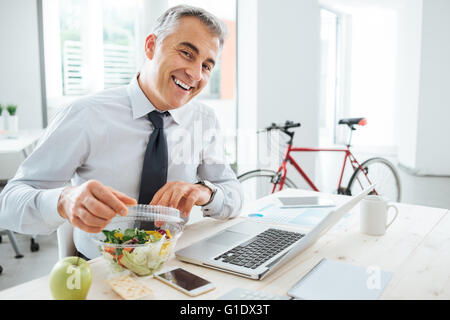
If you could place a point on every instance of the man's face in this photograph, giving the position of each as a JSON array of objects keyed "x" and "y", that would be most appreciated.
[{"x": 180, "y": 65}]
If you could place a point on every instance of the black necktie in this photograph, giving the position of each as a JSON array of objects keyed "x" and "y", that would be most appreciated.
[{"x": 154, "y": 170}]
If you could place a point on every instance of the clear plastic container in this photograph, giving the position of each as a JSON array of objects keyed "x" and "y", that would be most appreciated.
[{"x": 141, "y": 259}]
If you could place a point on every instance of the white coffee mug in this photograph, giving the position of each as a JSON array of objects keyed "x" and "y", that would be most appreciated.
[{"x": 373, "y": 213}]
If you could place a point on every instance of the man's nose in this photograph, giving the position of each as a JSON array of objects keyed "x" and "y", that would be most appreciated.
[{"x": 195, "y": 72}]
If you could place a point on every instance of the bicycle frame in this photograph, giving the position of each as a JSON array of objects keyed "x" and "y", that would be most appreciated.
[{"x": 288, "y": 158}]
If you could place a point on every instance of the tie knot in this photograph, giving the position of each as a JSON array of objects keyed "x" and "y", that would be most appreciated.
[{"x": 156, "y": 118}]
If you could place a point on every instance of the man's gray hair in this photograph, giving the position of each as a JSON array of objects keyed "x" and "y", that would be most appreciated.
[{"x": 169, "y": 20}]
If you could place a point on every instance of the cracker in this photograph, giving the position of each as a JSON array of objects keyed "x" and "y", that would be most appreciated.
[{"x": 128, "y": 288}]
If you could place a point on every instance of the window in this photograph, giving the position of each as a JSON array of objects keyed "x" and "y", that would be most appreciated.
[
  {"x": 119, "y": 41},
  {"x": 358, "y": 72},
  {"x": 89, "y": 46},
  {"x": 71, "y": 53},
  {"x": 97, "y": 41},
  {"x": 329, "y": 27},
  {"x": 373, "y": 75}
]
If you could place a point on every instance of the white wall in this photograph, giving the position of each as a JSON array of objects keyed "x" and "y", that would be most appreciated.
[
  {"x": 433, "y": 145},
  {"x": 19, "y": 71},
  {"x": 19, "y": 61},
  {"x": 278, "y": 78},
  {"x": 424, "y": 95},
  {"x": 408, "y": 79},
  {"x": 288, "y": 70}
]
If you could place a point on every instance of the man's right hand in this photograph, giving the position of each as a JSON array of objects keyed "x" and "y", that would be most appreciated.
[{"x": 91, "y": 206}]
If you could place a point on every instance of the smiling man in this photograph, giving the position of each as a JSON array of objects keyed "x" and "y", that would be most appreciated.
[{"x": 147, "y": 143}]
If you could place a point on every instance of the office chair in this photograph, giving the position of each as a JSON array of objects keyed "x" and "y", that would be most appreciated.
[
  {"x": 13, "y": 241},
  {"x": 66, "y": 246},
  {"x": 34, "y": 246}
]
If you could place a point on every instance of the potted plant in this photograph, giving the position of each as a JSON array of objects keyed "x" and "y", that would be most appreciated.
[
  {"x": 13, "y": 121},
  {"x": 2, "y": 122}
]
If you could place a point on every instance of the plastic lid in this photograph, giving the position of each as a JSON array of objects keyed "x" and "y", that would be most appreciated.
[
  {"x": 143, "y": 212},
  {"x": 169, "y": 216}
]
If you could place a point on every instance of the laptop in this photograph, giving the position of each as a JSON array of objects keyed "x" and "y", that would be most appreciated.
[{"x": 254, "y": 250}]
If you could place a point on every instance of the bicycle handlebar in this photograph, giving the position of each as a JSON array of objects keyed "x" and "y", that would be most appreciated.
[{"x": 283, "y": 127}]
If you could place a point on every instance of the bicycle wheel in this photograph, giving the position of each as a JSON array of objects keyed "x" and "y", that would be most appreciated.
[
  {"x": 381, "y": 172},
  {"x": 259, "y": 183}
]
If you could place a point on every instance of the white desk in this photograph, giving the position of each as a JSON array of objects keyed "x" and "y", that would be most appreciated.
[
  {"x": 415, "y": 249},
  {"x": 20, "y": 142}
]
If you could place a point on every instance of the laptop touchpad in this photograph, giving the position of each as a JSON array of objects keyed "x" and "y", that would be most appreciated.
[{"x": 228, "y": 238}]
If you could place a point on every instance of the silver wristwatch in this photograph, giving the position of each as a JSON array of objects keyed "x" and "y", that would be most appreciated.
[{"x": 210, "y": 186}]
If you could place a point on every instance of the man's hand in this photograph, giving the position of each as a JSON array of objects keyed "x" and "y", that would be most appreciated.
[
  {"x": 91, "y": 206},
  {"x": 182, "y": 196}
]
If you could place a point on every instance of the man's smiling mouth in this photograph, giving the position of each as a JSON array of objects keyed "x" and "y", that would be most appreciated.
[{"x": 181, "y": 84}]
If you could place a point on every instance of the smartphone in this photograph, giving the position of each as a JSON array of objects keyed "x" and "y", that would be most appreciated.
[{"x": 185, "y": 281}]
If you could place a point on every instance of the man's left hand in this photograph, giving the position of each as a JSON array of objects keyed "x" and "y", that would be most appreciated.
[{"x": 182, "y": 196}]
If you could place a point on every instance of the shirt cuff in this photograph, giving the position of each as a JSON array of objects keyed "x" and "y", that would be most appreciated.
[
  {"x": 48, "y": 206},
  {"x": 214, "y": 208}
]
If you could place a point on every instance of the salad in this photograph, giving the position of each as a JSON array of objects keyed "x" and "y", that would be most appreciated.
[{"x": 142, "y": 252}]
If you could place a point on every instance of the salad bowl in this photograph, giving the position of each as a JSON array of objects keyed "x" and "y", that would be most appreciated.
[{"x": 141, "y": 241}]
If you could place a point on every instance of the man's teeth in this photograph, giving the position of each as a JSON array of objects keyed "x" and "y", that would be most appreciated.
[{"x": 182, "y": 84}]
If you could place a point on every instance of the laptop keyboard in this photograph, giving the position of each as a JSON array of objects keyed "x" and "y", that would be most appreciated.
[{"x": 259, "y": 249}]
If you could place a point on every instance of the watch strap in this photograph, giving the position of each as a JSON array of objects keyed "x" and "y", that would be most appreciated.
[{"x": 211, "y": 187}]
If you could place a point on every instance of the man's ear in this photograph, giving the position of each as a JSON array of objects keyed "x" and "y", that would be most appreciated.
[{"x": 150, "y": 46}]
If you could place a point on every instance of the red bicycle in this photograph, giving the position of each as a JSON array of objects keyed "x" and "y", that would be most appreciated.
[{"x": 261, "y": 182}]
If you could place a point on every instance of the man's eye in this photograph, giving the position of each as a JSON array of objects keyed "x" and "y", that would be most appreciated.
[
  {"x": 206, "y": 67},
  {"x": 187, "y": 54}
]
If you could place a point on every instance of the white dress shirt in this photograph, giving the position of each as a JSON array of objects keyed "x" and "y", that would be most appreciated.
[{"x": 104, "y": 137}]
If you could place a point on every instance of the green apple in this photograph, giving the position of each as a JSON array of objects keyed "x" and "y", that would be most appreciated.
[{"x": 71, "y": 279}]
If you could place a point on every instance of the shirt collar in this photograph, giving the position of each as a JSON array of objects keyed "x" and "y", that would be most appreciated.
[
  {"x": 141, "y": 106},
  {"x": 178, "y": 115}
]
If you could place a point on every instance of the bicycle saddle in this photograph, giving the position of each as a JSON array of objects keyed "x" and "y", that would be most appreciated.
[{"x": 353, "y": 121}]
